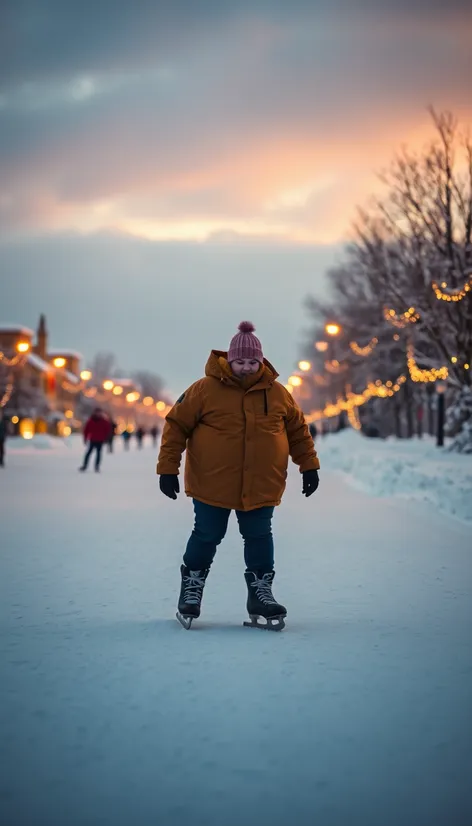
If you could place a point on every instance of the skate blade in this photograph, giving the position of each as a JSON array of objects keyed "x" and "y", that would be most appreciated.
[
  {"x": 271, "y": 624},
  {"x": 186, "y": 622}
]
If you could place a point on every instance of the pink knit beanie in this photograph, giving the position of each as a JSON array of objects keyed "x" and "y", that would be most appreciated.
[{"x": 245, "y": 345}]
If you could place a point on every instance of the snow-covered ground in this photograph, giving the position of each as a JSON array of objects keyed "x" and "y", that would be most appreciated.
[
  {"x": 358, "y": 714},
  {"x": 412, "y": 468}
]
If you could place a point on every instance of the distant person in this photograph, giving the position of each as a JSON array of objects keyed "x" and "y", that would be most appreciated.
[
  {"x": 110, "y": 440},
  {"x": 126, "y": 436},
  {"x": 154, "y": 433},
  {"x": 140, "y": 436},
  {"x": 313, "y": 430},
  {"x": 96, "y": 433},
  {"x": 3, "y": 436}
]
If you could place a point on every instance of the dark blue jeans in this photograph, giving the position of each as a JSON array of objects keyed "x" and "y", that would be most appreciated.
[
  {"x": 210, "y": 527},
  {"x": 97, "y": 446}
]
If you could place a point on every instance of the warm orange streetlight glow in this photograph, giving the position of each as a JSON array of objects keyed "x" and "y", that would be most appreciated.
[
  {"x": 160, "y": 405},
  {"x": 295, "y": 381},
  {"x": 289, "y": 388},
  {"x": 321, "y": 346},
  {"x": 117, "y": 390},
  {"x": 69, "y": 414},
  {"x": 148, "y": 400},
  {"x": 108, "y": 384},
  {"x": 304, "y": 365},
  {"x": 86, "y": 375},
  {"x": 130, "y": 397},
  {"x": 59, "y": 362},
  {"x": 23, "y": 346},
  {"x": 333, "y": 329}
]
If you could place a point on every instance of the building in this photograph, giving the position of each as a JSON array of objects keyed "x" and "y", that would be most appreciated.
[
  {"x": 36, "y": 384},
  {"x": 44, "y": 389}
]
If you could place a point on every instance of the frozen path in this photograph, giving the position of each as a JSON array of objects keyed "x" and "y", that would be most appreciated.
[{"x": 111, "y": 714}]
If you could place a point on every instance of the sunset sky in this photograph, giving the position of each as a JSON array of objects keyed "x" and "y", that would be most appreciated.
[{"x": 170, "y": 168}]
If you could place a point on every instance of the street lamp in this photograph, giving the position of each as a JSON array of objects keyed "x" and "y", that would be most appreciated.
[
  {"x": 86, "y": 375},
  {"x": 304, "y": 365},
  {"x": 23, "y": 346},
  {"x": 333, "y": 329},
  {"x": 108, "y": 384},
  {"x": 59, "y": 362},
  {"x": 321, "y": 346},
  {"x": 295, "y": 381}
]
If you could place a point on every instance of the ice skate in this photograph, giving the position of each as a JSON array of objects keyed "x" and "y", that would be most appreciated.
[
  {"x": 261, "y": 604},
  {"x": 191, "y": 592}
]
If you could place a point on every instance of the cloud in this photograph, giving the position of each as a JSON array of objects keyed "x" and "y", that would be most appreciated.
[
  {"x": 216, "y": 118},
  {"x": 161, "y": 306}
]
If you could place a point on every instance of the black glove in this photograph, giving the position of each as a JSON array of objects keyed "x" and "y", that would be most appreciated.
[
  {"x": 169, "y": 485},
  {"x": 311, "y": 481}
]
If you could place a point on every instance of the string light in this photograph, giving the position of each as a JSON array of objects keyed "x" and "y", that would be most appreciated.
[
  {"x": 353, "y": 417},
  {"x": 451, "y": 295},
  {"x": 355, "y": 400},
  {"x": 72, "y": 388},
  {"x": 423, "y": 376},
  {"x": 363, "y": 351},
  {"x": 410, "y": 316},
  {"x": 8, "y": 391},
  {"x": 335, "y": 367},
  {"x": 16, "y": 361}
]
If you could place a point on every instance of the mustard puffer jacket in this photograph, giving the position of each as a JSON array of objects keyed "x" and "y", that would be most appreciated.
[{"x": 239, "y": 434}]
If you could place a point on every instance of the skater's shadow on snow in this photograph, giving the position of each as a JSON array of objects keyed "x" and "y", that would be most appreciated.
[{"x": 158, "y": 628}]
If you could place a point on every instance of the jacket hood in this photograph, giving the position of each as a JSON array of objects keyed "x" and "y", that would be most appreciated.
[{"x": 218, "y": 367}]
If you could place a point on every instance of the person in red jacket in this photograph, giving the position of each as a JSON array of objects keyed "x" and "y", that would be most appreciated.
[{"x": 96, "y": 433}]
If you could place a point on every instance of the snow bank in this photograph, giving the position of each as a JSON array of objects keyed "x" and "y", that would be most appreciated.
[
  {"x": 414, "y": 468},
  {"x": 16, "y": 444}
]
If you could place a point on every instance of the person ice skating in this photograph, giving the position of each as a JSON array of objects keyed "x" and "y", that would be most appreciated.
[
  {"x": 239, "y": 426},
  {"x": 139, "y": 436},
  {"x": 3, "y": 436},
  {"x": 112, "y": 434},
  {"x": 126, "y": 436},
  {"x": 96, "y": 433},
  {"x": 154, "y": 433}
]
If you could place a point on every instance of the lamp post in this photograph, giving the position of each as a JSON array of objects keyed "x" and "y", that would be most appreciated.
[
  {"x": 441, "y": 391},
  {"x": 333, "y": 330}
]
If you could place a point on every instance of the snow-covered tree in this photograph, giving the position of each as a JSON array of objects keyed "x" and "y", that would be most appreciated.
[{"x": 406, "y": 279}]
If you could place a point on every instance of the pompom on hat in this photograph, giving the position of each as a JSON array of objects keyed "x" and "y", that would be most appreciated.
[{"x": 245, "y": 345}]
